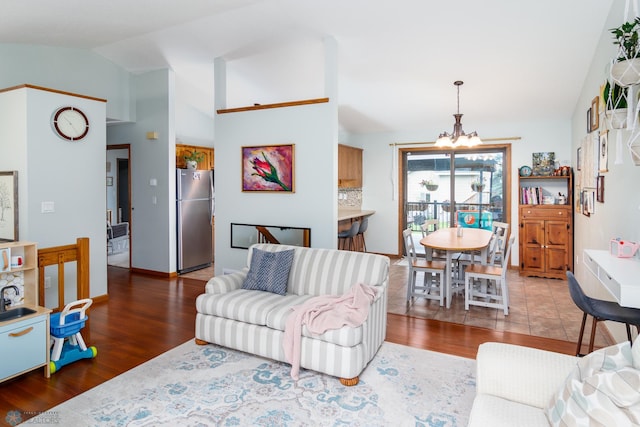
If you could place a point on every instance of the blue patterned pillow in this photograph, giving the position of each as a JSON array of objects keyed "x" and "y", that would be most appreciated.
[{"x": 269, "y": 271}]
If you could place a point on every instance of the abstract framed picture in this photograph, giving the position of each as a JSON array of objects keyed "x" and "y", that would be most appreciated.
[
  {"x": 8, "y": 206},
  {"x": 268, "y": 168}
]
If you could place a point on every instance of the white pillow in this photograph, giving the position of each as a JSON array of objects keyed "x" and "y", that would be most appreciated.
[{"x": 603, "y": 389}]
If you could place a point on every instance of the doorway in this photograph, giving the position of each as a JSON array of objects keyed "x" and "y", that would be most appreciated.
[
  {"x": 469, "y": 187},
  {"x": 118, "y": 193}
]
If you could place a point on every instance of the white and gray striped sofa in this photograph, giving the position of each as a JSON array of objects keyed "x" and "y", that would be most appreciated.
[{"x": 253, "y": 321}]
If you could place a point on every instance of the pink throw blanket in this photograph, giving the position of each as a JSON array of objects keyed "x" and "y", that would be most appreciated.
[{"x": 322, "y": 313}]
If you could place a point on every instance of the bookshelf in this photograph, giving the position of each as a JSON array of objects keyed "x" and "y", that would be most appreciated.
[{"x": 545, "y": 226}]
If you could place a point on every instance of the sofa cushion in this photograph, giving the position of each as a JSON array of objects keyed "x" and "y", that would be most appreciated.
[
  {"x": 242, "y": 305},
  {"x": 495, "y": 411},
  {"x": 269, "y": 271},
  {"x": 603, "y": 389}
]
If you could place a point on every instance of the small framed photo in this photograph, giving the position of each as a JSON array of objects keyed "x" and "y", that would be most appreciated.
[
  {"x": 579, "y": 158},
  {"x": 9, "y": 206},
  {"x": 543, "y": 163},
  {"x": 595, "y": 114},
  {"x": 109, "y": 181},
  {"x": 589, "y": 120},
  {"x": 600, "y": 189},
  {"x": 603, "y": 152},
  {"x": 268, "y": 168}
]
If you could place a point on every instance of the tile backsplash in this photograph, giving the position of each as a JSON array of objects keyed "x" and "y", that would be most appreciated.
[{"x": 350, "y": 198}]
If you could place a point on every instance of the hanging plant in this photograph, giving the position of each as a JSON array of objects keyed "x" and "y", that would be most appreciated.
[
  {"x": 477, "y": 185},
  {"x": 429, "y": 184},
  {"x": 626, "y": 70},
  {"x": 616, "y": 108}
]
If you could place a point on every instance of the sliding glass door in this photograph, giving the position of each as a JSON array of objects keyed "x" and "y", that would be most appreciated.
[{"x": 466, "y": 187}]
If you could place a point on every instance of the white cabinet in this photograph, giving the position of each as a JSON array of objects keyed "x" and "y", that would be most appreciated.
[
  {"x": 618, "y": 275},
  {"x": 24, "y": 341},
  {"x": 24, "y": 345}
]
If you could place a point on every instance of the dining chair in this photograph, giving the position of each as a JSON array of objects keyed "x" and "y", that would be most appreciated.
[
  {"x": 435, "y": 278},
  {"x": 497, "y": 245},
  {"x": 600, "y": 310},
  {"x": 427, "y": 227},
  {"x": 496, "y": 296},
  {"x": 359, "y": 238}
]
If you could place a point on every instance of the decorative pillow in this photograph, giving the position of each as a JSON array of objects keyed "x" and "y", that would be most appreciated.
[
  {"x": 269, "y": 271},
  {"x": 603, "y": 389}
]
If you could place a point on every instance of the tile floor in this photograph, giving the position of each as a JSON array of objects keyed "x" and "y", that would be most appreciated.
[{"x": 540, "y": 307}]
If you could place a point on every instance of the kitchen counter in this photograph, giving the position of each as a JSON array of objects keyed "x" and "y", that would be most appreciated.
[{"x": 348, "y": 214}]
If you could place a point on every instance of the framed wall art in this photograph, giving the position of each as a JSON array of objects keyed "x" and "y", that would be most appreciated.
[
  {"x": 9, "y": 206},
  {"x": 268, "y": 168},
  {"x": 600, "y": 189},
  {"x": 543, "y": 163},
  {"x": 595, "y": 113},
  {"x": 603, "y": 156}
]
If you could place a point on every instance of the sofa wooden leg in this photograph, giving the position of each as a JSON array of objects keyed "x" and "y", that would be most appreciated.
[
  {"x": 201, "y": 342},
  {"x": 349, "y": 382}
]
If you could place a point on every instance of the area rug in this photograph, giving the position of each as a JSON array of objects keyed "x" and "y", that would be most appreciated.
[{"x": 194, "y": 385}]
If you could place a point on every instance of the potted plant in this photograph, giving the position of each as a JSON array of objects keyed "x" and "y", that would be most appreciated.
[
  {"x": 193, "y": 159},
  {"x": 616, "y": 105},
  {"x": 626, "y": 70},
  {"x": 429, "y": 184},
  {"x": 477, "y": 185}
]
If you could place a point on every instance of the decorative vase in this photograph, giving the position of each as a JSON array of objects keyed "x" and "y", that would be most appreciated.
[
  {"x": 626, "y": 73},
  {"x": 617, "y": 119},
  {"x": 192, "y": 164}
]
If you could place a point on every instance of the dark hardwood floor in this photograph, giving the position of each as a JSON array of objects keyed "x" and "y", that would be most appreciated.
[{"x": 146, "y": 316}]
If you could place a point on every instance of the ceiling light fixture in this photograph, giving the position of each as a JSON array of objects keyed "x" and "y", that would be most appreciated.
[{"x": 458, "y": 138}]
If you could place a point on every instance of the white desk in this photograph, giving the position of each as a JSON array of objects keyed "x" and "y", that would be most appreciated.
[{"x": 620, "y": 276}]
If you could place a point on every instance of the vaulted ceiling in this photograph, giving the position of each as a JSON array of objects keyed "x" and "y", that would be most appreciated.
[{"x": 397, "y": 60}]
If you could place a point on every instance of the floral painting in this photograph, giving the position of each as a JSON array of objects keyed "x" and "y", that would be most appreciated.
[{"x": 268, "y": 168}]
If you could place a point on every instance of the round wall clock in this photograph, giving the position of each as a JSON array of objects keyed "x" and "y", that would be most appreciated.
[
  {"x": 525, "y": 171},
  {"x": 70, "y": 123}
]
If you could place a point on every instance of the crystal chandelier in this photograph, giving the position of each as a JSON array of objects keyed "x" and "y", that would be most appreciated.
[{"x": 458, "y": 138}]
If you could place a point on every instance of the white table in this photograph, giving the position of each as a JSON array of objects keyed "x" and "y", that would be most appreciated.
[
  {"x": 620, "y": 276},
  {"x": 447, "y": 239}
]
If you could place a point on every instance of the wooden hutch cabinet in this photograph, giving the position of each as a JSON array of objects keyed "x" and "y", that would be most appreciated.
[{"x": 545, "y": 230}]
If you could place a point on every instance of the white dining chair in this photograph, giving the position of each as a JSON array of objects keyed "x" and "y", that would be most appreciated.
[
  {"x": 496, "y": 296},
  {"x": 497, "y": 246},
  {"x": 434, "y": 284},
  {"x": 429, "y": 226}
]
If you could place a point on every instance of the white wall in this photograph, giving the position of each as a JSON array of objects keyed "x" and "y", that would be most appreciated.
[
  {"x": 69, "y": 174},
  {"x": 72, "y": 70},
  {"x": 153, "y": 229},
  {"x": 618, "y": 215},
  {"x": 380, "y": 182},
  {"x": 313, "y": 130}
]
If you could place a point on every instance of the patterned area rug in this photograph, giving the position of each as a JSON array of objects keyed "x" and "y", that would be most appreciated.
[{"x": 193, "y": 385}]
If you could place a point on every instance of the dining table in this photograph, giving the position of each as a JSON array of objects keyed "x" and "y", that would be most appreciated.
[{"x": 453, "y": 240}]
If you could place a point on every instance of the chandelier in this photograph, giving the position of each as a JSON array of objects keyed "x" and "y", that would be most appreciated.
[{"x": 458, "y": 138}]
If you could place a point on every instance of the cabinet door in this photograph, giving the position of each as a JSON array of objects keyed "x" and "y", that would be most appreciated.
[
  {"x": 531, "y": 243},
  {"x": 557, "y": 242},
  {"x": 349, "y": 167}
]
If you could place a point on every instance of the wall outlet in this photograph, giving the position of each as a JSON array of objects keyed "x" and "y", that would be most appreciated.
[{"x": 47, "y": 282}]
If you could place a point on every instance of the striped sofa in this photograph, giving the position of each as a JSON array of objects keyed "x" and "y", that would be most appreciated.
[{"x": 253, "y": 321}]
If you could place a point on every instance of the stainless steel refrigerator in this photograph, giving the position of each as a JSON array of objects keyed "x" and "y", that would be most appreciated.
[{"x": 195, "y": 210}]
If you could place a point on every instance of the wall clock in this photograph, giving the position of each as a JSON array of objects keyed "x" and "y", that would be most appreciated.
[
  {"x": 525, "y": 171},
  {"x": 70, "y": 123}
]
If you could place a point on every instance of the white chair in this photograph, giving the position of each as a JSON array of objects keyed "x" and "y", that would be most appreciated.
[
  {"x": 497, "y": 246},
  {"x": 434, "y": 273},
  {"x": 429, "y": 226},
  {"x": 498, "y": 296}
]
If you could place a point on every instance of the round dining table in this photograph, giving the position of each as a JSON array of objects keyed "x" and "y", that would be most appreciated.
[{"x": 448, "y": 240}]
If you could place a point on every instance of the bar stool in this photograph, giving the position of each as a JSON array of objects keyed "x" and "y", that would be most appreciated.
[
  {"x": 364, "y": 224},
  {"x": 600, "y": 310},
  {"x": 347, "y": 237}
]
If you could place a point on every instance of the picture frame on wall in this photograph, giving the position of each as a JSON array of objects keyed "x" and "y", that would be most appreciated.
[
  {"x": 603, "y": 152},
  {"x": 268, "y": 168},
  {"x": 579, "y": 158},
  {"x": 589, "y": 120},
  {"x": 594, "y": 114},
  {"x": 9, "y": 206},
  {"x": 600, "y": 189}
]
